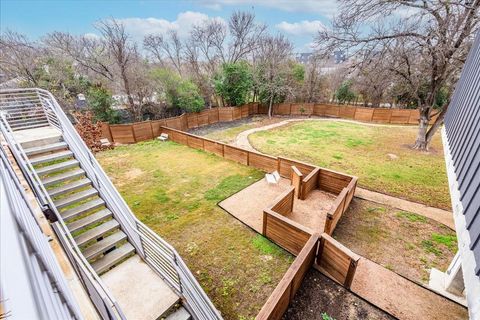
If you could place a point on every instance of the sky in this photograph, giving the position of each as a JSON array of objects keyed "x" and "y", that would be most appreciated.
[{"x": 298, "y": 19}]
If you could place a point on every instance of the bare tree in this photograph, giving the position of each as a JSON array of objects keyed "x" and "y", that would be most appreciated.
[
  {"x": 372, "y": 81},
  {"x": 426, "y": 43},
  {"x": 90, "y": 54},
  {"x": 124, "y": 53},
  {"x": 171, "y": 47},
  {"x": 272, "y": 76},
  {"x": 245, "y": 33},
  {"x": 19, "y": 57}
]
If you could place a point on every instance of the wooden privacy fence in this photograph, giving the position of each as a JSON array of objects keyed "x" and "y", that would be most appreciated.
[
  {"x": 320, "y": 251},
  {"x": 146, "y": 130},
  {"x": 381, "y": 115}
]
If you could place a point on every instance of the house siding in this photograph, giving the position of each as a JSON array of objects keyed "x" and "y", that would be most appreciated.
[{"x": 462, "y": 125}]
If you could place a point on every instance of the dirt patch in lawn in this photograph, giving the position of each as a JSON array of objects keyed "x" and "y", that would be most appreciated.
[
  {"x": 404, "y": 242},
  {"x": 320, "y": 297}
]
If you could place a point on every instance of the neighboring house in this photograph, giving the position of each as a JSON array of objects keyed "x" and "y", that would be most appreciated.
[{"x": 461, "y": 138}]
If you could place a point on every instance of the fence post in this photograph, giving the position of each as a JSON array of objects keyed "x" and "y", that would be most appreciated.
[
  {"x": 133, "y": 133},
  {"x": 151, "y": 128},
  {"x": 320, "y": 248},
  {"x": 351, "y": 272},
  {"x": 297, "y": 178},
  {"x": 264, "y": 224}
]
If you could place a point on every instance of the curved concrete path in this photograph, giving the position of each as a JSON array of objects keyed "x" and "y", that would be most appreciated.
[{"x": 442, "y": 216}]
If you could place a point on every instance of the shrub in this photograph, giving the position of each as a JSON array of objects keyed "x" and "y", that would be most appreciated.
[
  {"x": 234, "y": 83},
  {"x": 100, "y": 102}
]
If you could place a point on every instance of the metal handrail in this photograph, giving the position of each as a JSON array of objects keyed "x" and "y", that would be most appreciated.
[
  {"x": 155, "y": 251},
  {"x": 43, "y": 256},
  {"x": 92, "y": 280}
]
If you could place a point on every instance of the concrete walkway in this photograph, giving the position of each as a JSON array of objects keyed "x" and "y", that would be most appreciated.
[{"x": 442, "y": 216}]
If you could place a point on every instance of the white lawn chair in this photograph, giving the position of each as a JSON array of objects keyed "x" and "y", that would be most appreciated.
[
  {"x": 272, "y": 178},
  {"x": 163, "y": 137},
  {"x": 105, "y": 142}
]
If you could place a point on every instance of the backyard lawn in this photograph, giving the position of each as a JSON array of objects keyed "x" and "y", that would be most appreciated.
[
  {"x": 175, "y": 190},
  {"x": 380, "y": 156}
]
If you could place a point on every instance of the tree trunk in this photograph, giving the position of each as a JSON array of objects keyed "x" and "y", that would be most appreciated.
[
  {"x": 422, "y": 143},
  {"x": 270, "y": 107}
]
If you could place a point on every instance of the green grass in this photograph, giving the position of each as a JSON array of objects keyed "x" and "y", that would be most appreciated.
[
  {"x": 228, "y": 186},
  {"x": 266, "y": 246},
  {"x": 450, "y": 241},
  {"x": 175, "y": 190},
  {"x": 363, "y": 150},
  {"x": 412, "y": 217}
]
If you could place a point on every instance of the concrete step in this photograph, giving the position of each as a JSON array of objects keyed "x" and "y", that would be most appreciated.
[
  {"x": 54, "y": 136},
  {"x": 89, "y": 220},
  {"x": 72, "y": 174},
  {"x": 51, "y": 157},
  {"x": 29, "y": 124},
  {"x": 44, "y": 149},
  {"x": 96, "y": 232},
  {"x": 81, "y": 209},
  {"x": 103, "y": 245},
  {"x": 26, "y": 120},
  {"x": 39, "y": 125},
  {"x": 179, "y": 314},
  {"x": 112, "y": 258},
  {"x": 57, "y": 167},
  {"x": 74, "y": 198},
  {"x": 78, "y": 184}
]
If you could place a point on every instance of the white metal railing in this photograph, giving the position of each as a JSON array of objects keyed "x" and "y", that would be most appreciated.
[
  {"x": 105, "y": 303},
  {"x": 44, "y": 278},
  {"x": 155, "y": 251},
  {"x": 24, "y": 110}
]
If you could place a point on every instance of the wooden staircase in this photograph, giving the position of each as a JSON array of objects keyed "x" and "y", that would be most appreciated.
[{"x": 92, "y": 225}]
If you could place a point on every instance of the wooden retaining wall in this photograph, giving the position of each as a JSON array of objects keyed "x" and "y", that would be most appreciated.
[
  {"x": 309, "y": 183},
  {"x": 288, "y": 234},
  {"x": 340, "y": 206},
  {"x": 284, "y": 202},
  {"x": 297, "y": 179},
  {"x": 283, "y": 294},
  {"x": 323, "y": 253},
  {"x": 336, "y": 261}
]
